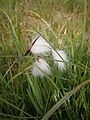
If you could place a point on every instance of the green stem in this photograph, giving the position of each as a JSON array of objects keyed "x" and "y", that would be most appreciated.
[{"x": 84, "y": 24}]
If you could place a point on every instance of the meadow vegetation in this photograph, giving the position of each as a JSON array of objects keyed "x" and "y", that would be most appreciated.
[{"x": 65, "y": 24}]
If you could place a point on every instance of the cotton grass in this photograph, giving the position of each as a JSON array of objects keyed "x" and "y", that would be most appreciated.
[
  {"x": 41, "y": 67},
  {"x": 41, "y": 46},
  {"x": 60, "y": 58}
]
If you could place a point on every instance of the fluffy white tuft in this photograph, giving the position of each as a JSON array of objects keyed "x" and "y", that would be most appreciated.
[
  {"x": 41, "y": 46},
  {"x": 58, "y": 60},
  {"x": 40, "y": 67}
]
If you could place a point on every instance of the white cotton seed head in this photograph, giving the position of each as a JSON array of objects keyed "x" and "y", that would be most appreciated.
[
  {"x": 40, "y": 67},
  {"x": 41, "y": 46},
  {"x": 58, "y": 60}
]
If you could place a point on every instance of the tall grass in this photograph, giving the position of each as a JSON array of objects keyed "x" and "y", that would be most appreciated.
[{"x": 63, "y": 95}]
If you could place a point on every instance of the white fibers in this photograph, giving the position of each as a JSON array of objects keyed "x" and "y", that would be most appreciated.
[
  {"x": 58, "y": 60},
  {"x": 41, "y": 46},
  {"x": 40, "y": 67}
]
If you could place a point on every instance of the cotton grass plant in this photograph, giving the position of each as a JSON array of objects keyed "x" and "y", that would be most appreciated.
[
  {"x": 39, "y": 67},
  {"x": 49, "y": 80},
  {"x": 60, "y": 58},
  {"x": 40, "y": 46}
]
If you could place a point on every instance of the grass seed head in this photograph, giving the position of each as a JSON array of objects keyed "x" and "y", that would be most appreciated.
[
  {"x": 58, "y": 60},
  {"x": 41, "y": 46},
  {"x": 40, "y": 67}
]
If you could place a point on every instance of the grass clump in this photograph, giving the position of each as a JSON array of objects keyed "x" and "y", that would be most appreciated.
[{"x": 63, "y": 95}]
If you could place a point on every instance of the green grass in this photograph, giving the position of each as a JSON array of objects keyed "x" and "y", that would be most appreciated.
[{"x": 61, "y": 96}]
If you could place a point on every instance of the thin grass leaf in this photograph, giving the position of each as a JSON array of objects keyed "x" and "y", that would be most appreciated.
[
  {"x": 66, "y": 97},
  {"x": 33, "y": 101},
  {"x": 38, "y": 93},
  {"x": 13, "y": 33},
  {"x": 8, "y": 103},
  {"x": 37, "y": 15},
  {"x": 10, "y": 117},
  {"x": 35, "y": 91},
  {"x": 84, "y": 24},
  {"x": 18, "y": 75}
]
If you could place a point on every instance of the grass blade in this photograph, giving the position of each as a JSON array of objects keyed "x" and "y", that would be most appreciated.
[
  {"x": 13, "y": 33},
  {"x": 66, "y": 97}
]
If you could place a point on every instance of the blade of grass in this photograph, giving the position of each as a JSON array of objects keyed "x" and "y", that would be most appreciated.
[
  {"x": 66, "y": 97},
  {"x": 37, "y": 15},
  {"x": 18, "y": 75},
  {"x": 84, "y": 24},
  {"x": 8, "y": 103},
  {"x": 13, "y": 33},
  {"x": 33, "y": 100}
]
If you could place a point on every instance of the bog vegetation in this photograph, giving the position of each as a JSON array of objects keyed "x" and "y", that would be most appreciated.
[{"x": 48, "y": 89}]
